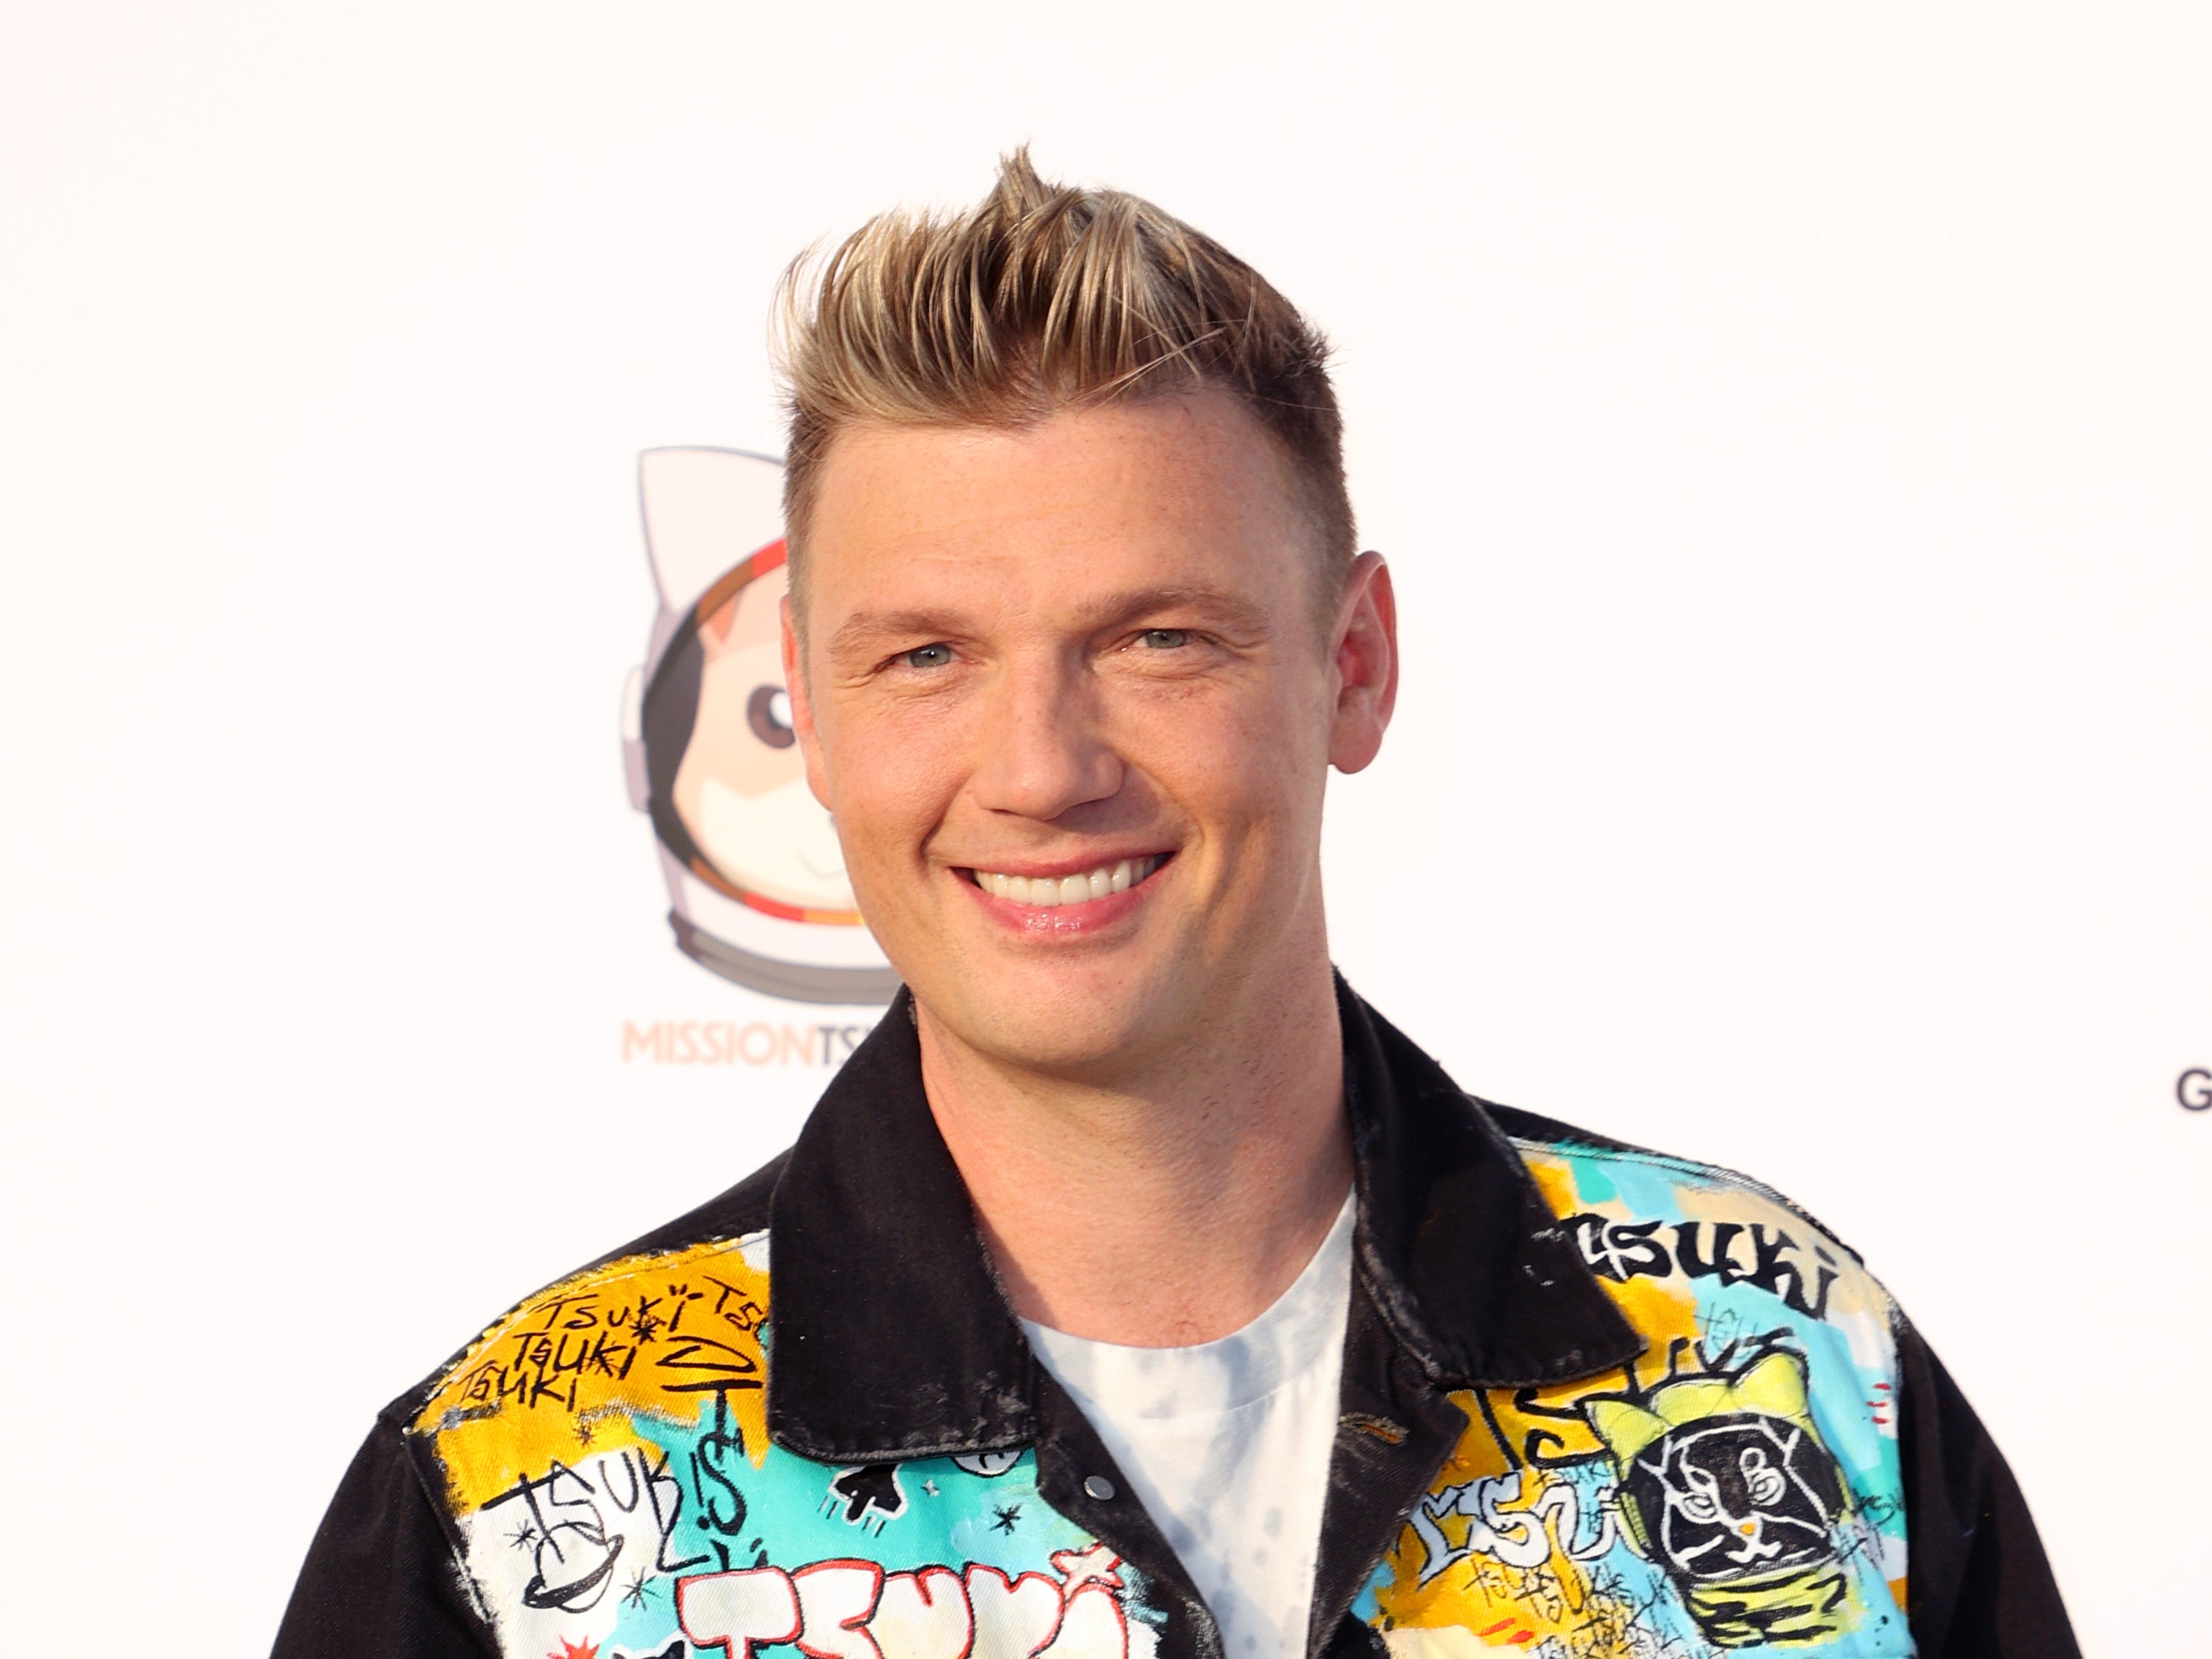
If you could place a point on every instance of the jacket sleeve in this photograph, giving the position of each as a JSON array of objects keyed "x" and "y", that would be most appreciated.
[
  {"x": 381, "y": 1579},
  {"x": 1978, "y": 1583}
]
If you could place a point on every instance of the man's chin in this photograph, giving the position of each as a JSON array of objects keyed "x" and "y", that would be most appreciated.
[{"x": 1073, "y": 1031}]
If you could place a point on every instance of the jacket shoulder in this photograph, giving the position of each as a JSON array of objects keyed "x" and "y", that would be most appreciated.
[
  {"x": 671, "y": 1315},
  {"x": 1662, "y": 1180}
]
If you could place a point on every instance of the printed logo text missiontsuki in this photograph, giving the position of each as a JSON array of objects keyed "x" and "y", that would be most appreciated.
[{"x": 756, "y": 1042}]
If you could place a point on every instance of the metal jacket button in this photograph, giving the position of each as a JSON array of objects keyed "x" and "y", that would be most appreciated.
[{"x": 1098, "y": 1486}]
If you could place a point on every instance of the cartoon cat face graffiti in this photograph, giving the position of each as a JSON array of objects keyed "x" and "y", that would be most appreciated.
[
  {"x": 1724, "y": 1477},
  {"x": 1724, "y": 1482},
  {"x": 1742, "y": 1494}
]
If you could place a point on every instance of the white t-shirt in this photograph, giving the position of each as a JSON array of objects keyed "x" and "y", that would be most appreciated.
[{"x": 1228, "y": 1444}]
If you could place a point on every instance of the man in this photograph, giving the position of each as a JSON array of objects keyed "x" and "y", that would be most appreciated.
[{"x": 1135, "y": 1289}]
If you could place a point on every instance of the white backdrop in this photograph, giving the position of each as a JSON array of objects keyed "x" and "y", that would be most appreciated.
[{"x": 1791, "y": 432}]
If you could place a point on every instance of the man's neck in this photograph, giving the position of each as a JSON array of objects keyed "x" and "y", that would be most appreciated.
[{"x": 1173, "y": 1205}]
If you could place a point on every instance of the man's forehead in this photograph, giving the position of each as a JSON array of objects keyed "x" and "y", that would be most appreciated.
[
  {"x": 1194, "y": 457},
  {"x": 1157, "y": 491}
]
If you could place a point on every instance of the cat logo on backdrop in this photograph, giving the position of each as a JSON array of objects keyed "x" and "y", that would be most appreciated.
[{"x": 756, "y": 884}]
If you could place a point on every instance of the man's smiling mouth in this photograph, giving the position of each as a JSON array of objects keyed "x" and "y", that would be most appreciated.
[{"x": 1050, "y": 892}]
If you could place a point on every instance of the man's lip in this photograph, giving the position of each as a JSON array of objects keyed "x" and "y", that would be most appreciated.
[
  {"x": 1033, "y": 870},
  {"x": 1083, "y": 918}
]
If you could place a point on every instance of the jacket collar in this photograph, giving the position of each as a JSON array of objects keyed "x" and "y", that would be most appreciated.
[{"x": 892, "y": 1338}]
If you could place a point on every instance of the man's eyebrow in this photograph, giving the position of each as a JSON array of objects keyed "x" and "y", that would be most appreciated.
[
  {"x": 865, "y": 630},
  {"x": 1213, "y": 604}
]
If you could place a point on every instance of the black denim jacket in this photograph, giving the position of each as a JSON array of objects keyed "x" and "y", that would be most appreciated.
[{"x": 1594, "y": 1401}]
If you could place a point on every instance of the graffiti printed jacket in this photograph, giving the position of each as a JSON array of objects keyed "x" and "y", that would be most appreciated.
[{"x": 1595, "y": 1403}]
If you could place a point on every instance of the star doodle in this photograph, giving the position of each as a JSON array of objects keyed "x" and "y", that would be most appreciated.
[
  {"x": 1081, "y": 1567},
  {"x": 1008, "y": 1515},
  {"x": 523, "y": 1536},
  {"x": 638, "y": 1589},
  {"x": 584, "y": 1432},
  {"x": 930, "y": 1486},
  {"x": 642, "y": 1327}
]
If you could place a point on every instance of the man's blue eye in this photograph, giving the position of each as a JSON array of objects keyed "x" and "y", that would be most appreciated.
[
  {"x": 929, "y": 656},
  {"x": 1165, "y": 639}
]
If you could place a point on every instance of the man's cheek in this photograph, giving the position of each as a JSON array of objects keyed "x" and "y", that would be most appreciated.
[
  {"x": 877, "y": 817},
  {"x": 917, "y": 759}
]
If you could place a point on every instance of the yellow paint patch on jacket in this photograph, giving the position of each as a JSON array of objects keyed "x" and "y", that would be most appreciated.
[
  {"x": 573, "y": 1370},
  {"x": 1506, "y": 1576},
  {"x": 1493, "y": 1551},
  {"x": 1555, "y": 1179}
]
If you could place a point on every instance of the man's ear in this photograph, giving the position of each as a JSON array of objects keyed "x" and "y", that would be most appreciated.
[
  {"x": 802, "y": 706},
  {"x": 1364, "y": 664}
]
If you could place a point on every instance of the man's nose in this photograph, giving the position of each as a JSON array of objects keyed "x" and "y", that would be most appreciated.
[{"x": 1045, "y": 753}]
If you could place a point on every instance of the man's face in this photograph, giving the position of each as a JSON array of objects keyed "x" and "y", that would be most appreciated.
[{"x": 1071, "y": 695}]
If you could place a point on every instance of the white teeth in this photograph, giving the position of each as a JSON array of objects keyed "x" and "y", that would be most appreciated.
[{"x": 1046, "y": 892}]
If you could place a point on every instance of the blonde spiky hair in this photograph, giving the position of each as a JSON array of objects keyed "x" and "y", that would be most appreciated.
[{"x": 1041, "y": 298}]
